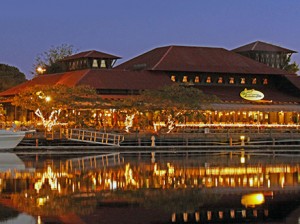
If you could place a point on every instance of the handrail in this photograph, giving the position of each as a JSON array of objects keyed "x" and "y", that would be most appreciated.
[{"x": 94, "y": 137}]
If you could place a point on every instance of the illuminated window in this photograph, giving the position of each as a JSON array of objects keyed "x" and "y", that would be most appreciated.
[
  {"x": 185, "y": 79},
  {"x": 103, "y": 64},
  {"x": 231, "y": 80},
  {"x": 220, "y": 80},
  {"x": 243, "y": 80},
  {"x": 173, "y": 78},
  {"x": 208, "y": 79},
  {"x": 197, "y": 79},
  {"x": 254, "y": 81},
  {"x": 95, "y": 63},
  {"x": 265, "y": 81}
]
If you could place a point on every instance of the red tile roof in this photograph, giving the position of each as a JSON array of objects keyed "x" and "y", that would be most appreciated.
[
  {"x": 99, "y": 79},
  {"x": 197, "y": 59},
  {"x": 262, "y": 46},
  {"x": 91, "y": 54},
  {"x": 294, "y": 79},
  {"x": 119, "y": 79}
]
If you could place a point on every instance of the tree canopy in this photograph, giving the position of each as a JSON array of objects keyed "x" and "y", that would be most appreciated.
[
  {"x": 174, "y": 97},
  {"x": 51, "y": 60},
  {"x": 290, "y": 67},
  {"x": 10, "y": 76},
  {"x": 47, "y": 98}
]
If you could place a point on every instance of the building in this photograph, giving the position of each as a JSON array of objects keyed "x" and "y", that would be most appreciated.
[
  {"x": 266, "y": 53},
  {"x": 251, "y": 91}
]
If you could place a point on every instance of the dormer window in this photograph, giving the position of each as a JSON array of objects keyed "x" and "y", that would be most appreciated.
[
  {"x": 220, "y": 80},
  {"x": 185, "y": 79},
  {"x": 197, "y": 80},
  {"x": 243, "y": 80},
  {"x": 265, "y": 81},
  {"x": 103, "y": 64},
  {"x": 95, "y": 63},
  {"x": 208, "y": 79}
]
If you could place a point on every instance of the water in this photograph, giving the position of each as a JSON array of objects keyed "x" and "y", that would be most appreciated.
[{"x": 148, "y": 188}]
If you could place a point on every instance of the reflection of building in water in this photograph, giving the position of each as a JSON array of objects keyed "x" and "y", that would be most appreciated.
[{"x": 152, "y": 176}]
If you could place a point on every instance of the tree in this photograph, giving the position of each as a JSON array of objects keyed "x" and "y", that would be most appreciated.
[
  {"x": 168, "y": 103},
  {"x": 10, "y": 76},
  {"x": 290, "y": 67},
  {"x": 51, "y": 60},
  {"x": 46, "y": 100}
]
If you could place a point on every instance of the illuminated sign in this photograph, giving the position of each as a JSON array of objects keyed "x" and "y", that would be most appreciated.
[{"x": 251, "y": 94}]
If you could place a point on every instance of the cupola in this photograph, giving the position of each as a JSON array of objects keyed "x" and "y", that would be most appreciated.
[{"x": 90, "y": 60}]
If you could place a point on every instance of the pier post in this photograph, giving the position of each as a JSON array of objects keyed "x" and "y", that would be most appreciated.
[
  {"x": 230, "y": 141},
  {"x": 153, "y": 141},
  {"x": 153, "y": 157}
]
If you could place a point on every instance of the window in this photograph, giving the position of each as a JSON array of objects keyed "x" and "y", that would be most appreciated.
[
  {"x": 185, "y": 79},
  {"x": 197, "y": 79},
  {"x": 220, "y": 80},
  {"x": 208, "y": 79},
  {"x": 243, "y": 80},
  {"x": 231, "y": 80},
  {"x": 173, "y": 78},
  {"x": 265, "y": 81},
  {"x": 103, "y": 64},
  {"x": 254, "y": 81},
  {"x": 95, "y": 63}
]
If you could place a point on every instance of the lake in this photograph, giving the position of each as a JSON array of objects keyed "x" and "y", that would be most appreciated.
[{"x": 149, "y": 188}]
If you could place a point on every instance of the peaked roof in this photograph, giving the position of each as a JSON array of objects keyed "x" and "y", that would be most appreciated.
[
  {"x": 262, "y": 46},
  {"x": 98, "y": 79},
  {"x": 197, "y": 59},
  {"x": 91, "y": 54}
]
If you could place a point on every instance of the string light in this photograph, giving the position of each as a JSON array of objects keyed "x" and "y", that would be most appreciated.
[{"x": 51, "y": 121}]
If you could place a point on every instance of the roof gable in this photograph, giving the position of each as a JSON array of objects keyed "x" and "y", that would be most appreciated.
[
  {"x": 91, "y": 54},
  {"x": 98, "y": 79},
  {"x": 197, "y": 59},
  {"x": 262, "y": 46}
]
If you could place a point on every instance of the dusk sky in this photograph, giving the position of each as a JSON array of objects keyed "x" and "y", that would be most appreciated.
[{"x": 129, "y": 28}]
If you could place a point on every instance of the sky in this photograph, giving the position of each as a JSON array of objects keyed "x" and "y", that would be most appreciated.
[{"x": 129, "y": 28}]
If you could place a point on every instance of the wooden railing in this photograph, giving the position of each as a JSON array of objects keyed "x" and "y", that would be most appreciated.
[{"x": 94, "y": 137}]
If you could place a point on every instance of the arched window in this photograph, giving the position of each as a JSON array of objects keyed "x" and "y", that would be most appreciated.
[
  {"x": 243, "y": 80},
  {"x": 208, "y": 79},
  {"x": 95, "y": 63},
  {"x": 220, "y": 80},
  {"x": 103, "y": 64},
  {"x": 265, "y": 81},
  {"x": 185, "y": 79}
]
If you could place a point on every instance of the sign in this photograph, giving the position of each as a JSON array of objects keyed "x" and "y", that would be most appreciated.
[{"x": 251, "y": 94}]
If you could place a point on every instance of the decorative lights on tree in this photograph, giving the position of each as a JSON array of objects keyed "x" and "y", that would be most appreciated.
[
  {"x": 51, "y": 121},
  {"x": 128, "y": 122}
]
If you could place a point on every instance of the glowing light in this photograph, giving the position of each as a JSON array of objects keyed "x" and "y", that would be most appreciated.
[
  {"x": 48, "y": 98},
  {"x": 51, "y": 121},
  {"x": 128, "y": 122},
  {"x": 252, "y": 200},
  {"x": 40, "y": 70},
  {"x": 129, "y": 175},
  {"x": 52, "y": 180}
]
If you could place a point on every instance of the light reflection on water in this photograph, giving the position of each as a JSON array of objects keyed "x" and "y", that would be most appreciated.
[{"x": 56, "y": 185}]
